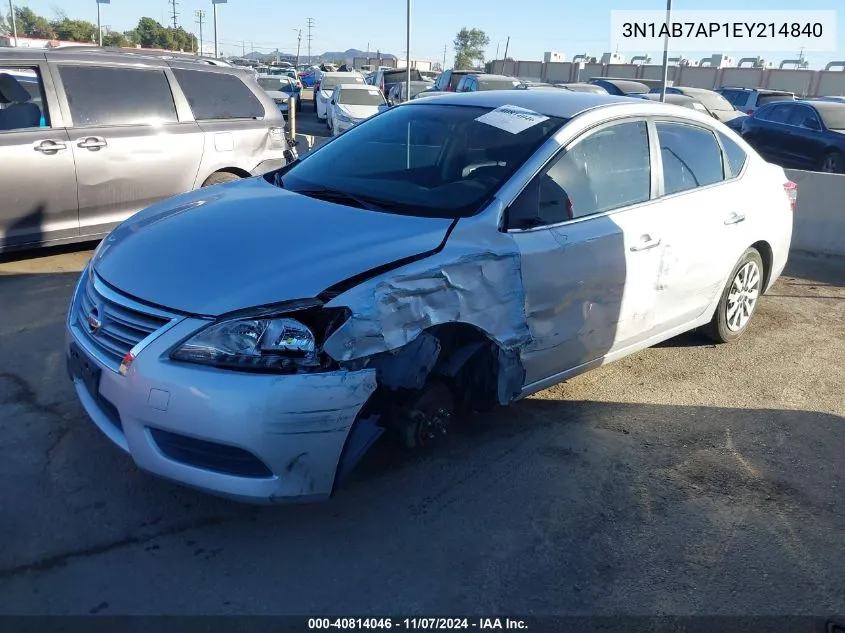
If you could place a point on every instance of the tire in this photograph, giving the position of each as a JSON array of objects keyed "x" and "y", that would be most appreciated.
[
  {"x": 833, "y": 163},
  {"x": 739, "y": 299},
  {"x": 220, "y": 177}
]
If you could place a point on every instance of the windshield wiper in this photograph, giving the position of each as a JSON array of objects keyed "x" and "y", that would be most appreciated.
[{"x": 341, "y": 197}]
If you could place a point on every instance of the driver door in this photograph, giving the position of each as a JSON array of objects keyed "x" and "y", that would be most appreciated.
[{"x": 588, "y": 232}]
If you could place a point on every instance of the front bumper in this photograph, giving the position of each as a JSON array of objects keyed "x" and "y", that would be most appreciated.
[{"x": 257, "y": 438}]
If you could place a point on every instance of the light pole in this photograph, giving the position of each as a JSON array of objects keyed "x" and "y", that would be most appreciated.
[
  {"x": 99, "y": 26},
  {"x": 214, "y": 4},
  {"x": 408, "y": 55},
  {"x": 200, "y": 20},
  {"x": 666, "y": 51}
]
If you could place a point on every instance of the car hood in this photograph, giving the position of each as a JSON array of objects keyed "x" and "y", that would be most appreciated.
[
  {"x": 249, "y": 243},
  {"x": 277, "y": 94},
  {"x": 359, "y": 111}
]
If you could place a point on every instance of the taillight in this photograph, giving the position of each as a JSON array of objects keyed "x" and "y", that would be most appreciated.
[{"x": 791, "y": 190}]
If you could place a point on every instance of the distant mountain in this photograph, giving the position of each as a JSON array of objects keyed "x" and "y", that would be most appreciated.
[{"x": 327, "y": 56}]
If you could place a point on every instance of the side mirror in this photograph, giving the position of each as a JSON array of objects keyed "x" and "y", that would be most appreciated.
[
  {"x": 390, "y": 103},
  {"x": 811, "y": 123}
]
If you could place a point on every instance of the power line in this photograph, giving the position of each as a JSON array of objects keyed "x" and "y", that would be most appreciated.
[
  {"x": 175, "y": 15},
  {"x": 310, "y": 37}
]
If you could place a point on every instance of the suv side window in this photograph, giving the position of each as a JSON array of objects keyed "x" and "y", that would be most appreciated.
[
  {"x": 691, "y": 157},
  {"x": 735, "y": 155},
  {"x": 737, "y": 98},
  {"x": 110, "y": 95},
  {"x": 780, "y": 114},
  {"x": 22, "y": 102},
  {"x": 605, "y": 170},
  {"x": 215, "y": 95},
  {"x": 800, "y": 116}
]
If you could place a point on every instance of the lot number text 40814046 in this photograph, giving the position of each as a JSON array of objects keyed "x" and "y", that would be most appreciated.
[{"x": 418, "y": 623}]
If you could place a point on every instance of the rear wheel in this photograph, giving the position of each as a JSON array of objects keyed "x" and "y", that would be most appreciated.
[
  {"x": 427, "y": 417},
  {"x": 833, "y": 163},
  {"x": 219, "y": 178},
  {"x": 739, "y": 299}
]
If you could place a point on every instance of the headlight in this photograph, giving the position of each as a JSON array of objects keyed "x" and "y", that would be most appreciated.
[{"x": 252, "y": 344}]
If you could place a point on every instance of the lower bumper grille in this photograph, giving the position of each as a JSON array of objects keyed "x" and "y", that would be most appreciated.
[{"x": 220, "y": 458}]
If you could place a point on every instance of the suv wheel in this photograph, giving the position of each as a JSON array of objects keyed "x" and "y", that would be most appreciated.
[
  {"x": 220, "y": 177},
  {"x": 833, "y": 163},
  {"x": 739, "y": 299}
]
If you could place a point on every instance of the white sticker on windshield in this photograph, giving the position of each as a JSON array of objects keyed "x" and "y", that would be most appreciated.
[{"x": 512, "y": 119}]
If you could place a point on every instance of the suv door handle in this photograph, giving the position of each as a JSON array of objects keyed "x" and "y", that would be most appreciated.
[
  {"x": 646, "y": 242},
  {"x": 49, "y": 147},
  {"x": 735, "y": 218},
  {"x": 93, "y": 143}
]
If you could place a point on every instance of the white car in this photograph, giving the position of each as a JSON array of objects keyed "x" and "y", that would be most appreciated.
[
  {"x": 352, "y": 103},
  {"x": 327, "y": 83}
]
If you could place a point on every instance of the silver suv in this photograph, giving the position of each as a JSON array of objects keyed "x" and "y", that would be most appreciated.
[
  {"x": 747, "y": 100},
  {"x": 88, "y": 137}
]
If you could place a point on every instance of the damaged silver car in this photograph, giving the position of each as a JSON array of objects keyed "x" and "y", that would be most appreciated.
[{"x": 451, "y": 254}]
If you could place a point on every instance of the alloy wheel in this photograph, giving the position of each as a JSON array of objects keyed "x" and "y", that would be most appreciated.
[{"x": 743, "y": 295}]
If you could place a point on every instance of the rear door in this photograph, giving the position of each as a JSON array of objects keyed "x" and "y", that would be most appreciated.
[
  {"x": 701, "y": 233},
  {"x": 806, "y": 143},
  {"x": 37, "y": 175},
  {"x": 131, "y": 146}
]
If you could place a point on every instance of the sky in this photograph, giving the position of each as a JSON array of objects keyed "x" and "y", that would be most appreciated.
[{"x": 534, "y": 26}]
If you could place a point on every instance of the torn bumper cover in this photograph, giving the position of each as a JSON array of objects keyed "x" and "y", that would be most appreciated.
[{"x": 260, "y": 438}]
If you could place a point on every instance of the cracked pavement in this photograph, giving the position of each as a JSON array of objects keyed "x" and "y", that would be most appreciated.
[{"x": 685, "y": 479}]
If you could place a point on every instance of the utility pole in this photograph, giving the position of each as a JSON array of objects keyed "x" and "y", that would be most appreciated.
[
  {"x": 408, "y": 55},
  {"x": 14, "y": 22},
  {"x": 497, "y": 51},
  {"x": 243, "y": 48},
  {"x": 310, "y": 26},
  {"x": 175, "y": 15},
  {"x": 444, "y": 56},
  {"x": 200, "y": 20},
  {"x": 507, "y": 45},
  {"x": 298, "y": 44}
]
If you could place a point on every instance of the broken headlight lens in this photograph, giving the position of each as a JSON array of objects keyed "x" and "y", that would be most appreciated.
[{"x": 251, "y": 344}]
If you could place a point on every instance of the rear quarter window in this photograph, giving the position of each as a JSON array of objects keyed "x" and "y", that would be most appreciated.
[
  {"x": 215, "y": 96},
  {"x": 735, "y": 156}
]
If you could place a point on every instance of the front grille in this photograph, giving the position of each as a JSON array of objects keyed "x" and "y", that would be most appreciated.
[
  {"x": 111, "y": 324},
  {"x": 219, "y": 458}
]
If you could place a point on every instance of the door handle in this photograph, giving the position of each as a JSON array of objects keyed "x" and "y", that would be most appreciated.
[
  {"x": 735, "y": 218},
  {"x": 646, "y": 242},
  {"x": 93, "y": 143},
  {"x": 49, "y": 147}
]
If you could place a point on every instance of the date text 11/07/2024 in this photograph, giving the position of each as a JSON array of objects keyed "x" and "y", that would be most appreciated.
[
  {"x": 722, "y": 29},
  {"x": 417, "y": 623}
]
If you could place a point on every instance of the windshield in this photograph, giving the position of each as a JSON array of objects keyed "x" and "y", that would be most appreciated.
[
  {"x": 330, "y": 83},
  {"x": 833, "y": 118},
  {"x": 714, "y": 101},
  {"x": 361, "y": 97},
  {"x": 425, "y": 160}
]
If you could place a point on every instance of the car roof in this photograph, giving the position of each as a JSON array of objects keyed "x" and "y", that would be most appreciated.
[
  {"x": 822, "y": 105},
  {"x": 357, "y": 87},
  {"x": 558, "y": 103}
]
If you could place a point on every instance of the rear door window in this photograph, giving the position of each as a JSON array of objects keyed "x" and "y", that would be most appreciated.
[
  {"x": 110, "y": 95},
  {"x": 781, "y": 114},
  {"x": 215, "y": 96},
  {"x": 737, "y": 98},
  {"x": 455, "y": 80},
  {"x": 769, "y": 98},
  {"x": 691, "y": 157}
]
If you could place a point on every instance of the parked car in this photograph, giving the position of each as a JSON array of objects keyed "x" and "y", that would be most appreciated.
[
  {"x": 385, "y": 79},
  {"x": 414, "y": 282},
  {"x": 799, "y": 134},
  {"x": 481, "y": 82},
  {"x": 399, "y": 91},
  {"x": 324, "y": 88},
  {"x": 310, "y": 77},
  {"x": 350, "y": 104},
  {"x": 621, "y": 87},
  {"x": 747, "y": 100},
  {"x": 583, "y": 87},
  {"x": 676, "y": 99},
  {"x": 281, "y": 89},
  {"x": 839, "y": 99},
  {"x": 716, "y": 105},
  {"x": 429, "y": 75},
  {"x": 112, "y": 132},
  {"x": 536, "y": 85},
  {"x": 448, "y": 80}
]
